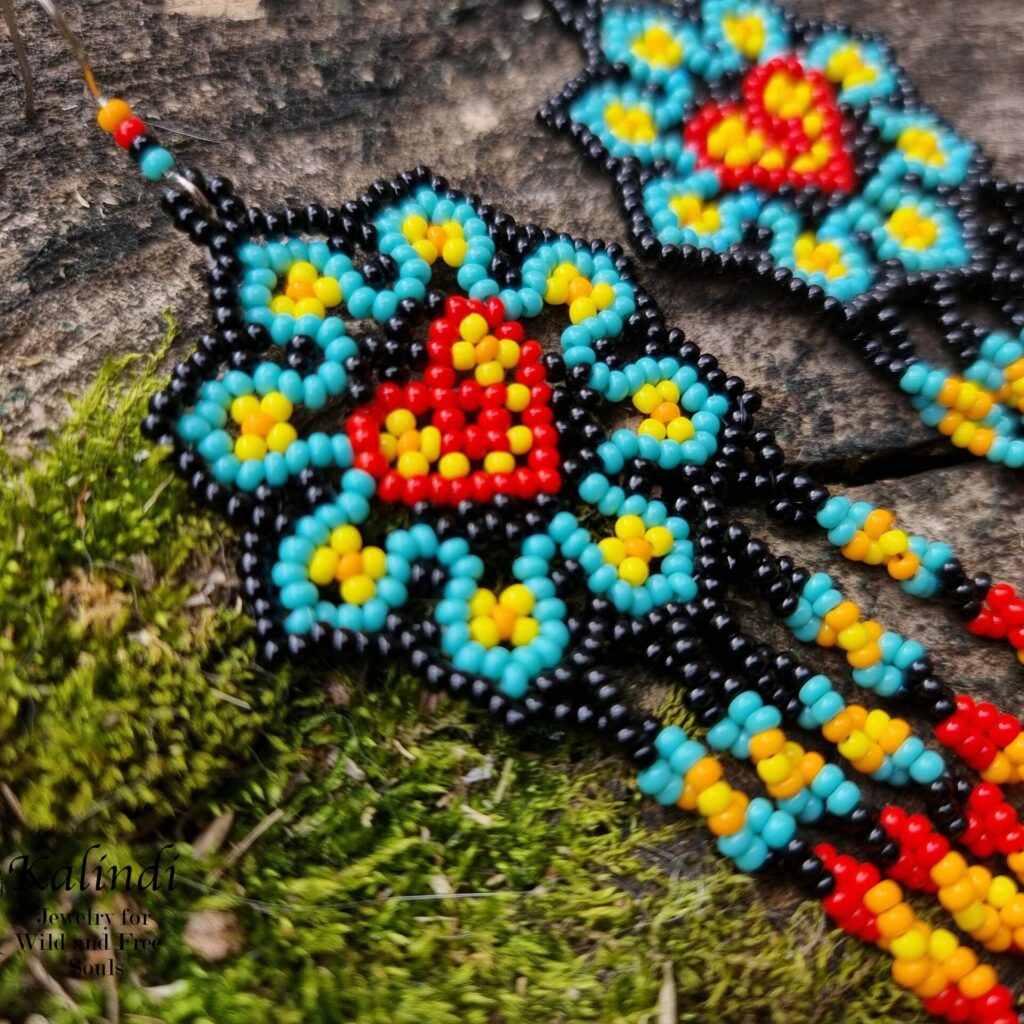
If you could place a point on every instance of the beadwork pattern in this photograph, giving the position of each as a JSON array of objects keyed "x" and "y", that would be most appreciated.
[{"x": 744, "y": 138}]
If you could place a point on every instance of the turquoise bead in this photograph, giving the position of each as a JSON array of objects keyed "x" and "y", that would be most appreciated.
[{"x": 156, "y": 162}]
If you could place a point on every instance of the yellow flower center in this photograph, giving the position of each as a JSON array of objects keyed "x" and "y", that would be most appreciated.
[
  {"x": 694, "y": 213},
  {"x": 911, "y": 229},
  {"x": 658, "y": 47},
  {"x": 813, "y": 257},
  {"x": 745, "y": 32},
  {"x": 631, "y": 124},
  {"x": 447, "y": 241},
  {"x": 568, "y": 287},
  {"x": 503, "y": 619},
  {"x": 263, "y": 425},
  {"x": 663, "y": 417},
  {"x": 634, "y": 548},
  {"x": 847, "y": 68},
  {"x": 922, "y": 145},
  {"x": 787, "y": 96},
  {"x": 345, "y": 561},
  {"x": 306, "y": 291}
]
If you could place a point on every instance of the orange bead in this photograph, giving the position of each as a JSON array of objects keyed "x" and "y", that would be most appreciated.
[
  {"x": 437, "y": 236},
  {"x": 838, "y": 728},
  {"x": 258, "y": 423},
  {"x": 579, "y": 288},
  {"x": 883, "y": 896},
  {"x": 810, "y": 764},
  {"x": 765, "y": 744},
  {"x": 688, "y": 800},
  {"x": 949, "y": 423},
  {"x": 982, "y": 441},
  {"x": 960, "y": 963},
  {"x": 826, "y": 637},
  {"x": 895, "y": 921},
  {"x": 933, "y": 984},
  {"x": 950, "y": 869},
  {"x": 666, "y": 412},
  {"x": 870, "y": 762},
  {"x": 787, "y": 788},
  {"x": 878, "y": 522},
  {"x": 704, "y": 773},
  {"x": 637, "y": 547},
  {"x": 989, "y": 929},
  {"x": 911, "y": 973},
  {"x": 1012, "y": 915},
  {"x": 865, "y": 656},
  {"x": 726, "y": 822},
  {"x": 902, "y": 567},
  {"x": 893, "y": 735},
  {"x": 112, "y": 113},
  {"x": 843, "y": 615},
  {"x": 976, "y": 983},
  {"x": 957, "y": 896},
  {"x": 949, "y": 392},
  {"x": 1001, "y": 941},
  {"x": 857, "y": 547}
]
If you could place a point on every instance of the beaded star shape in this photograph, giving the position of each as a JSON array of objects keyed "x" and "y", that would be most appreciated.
[{"x": 746, "y": 139}]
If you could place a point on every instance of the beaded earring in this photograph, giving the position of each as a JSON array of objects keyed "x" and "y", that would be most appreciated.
[
  {"x": 418, "y": 471},
  {"x": 747, "y": 139}
]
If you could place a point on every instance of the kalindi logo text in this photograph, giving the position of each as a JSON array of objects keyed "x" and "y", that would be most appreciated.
[{"x": 91, "y": 873}]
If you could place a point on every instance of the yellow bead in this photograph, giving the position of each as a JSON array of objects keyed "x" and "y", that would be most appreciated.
[
  {"x": 681, "y": 429},
  {"x": 473, "y": 327},
  {"x": 715, "y": 799},
  {"x": 875, "y": 724},
  {"x": 970, "y": 917},
  {"x": 112, "y": 113},
  {"x": 346, "y": 538},
  {"x": 517, "y": 397},
  {"x": 499, "y": 462},
  {"x": 482, "y": 603},
  {"x": 647, "y": 399},
  {"x": 328, "y": 292},
  {"x": 399, "y": 421},
  {"x": 855, "y": 746},
  {"x": 358, "y": 589},
  {"x": 653, "y": 428},
  {"x": 243, "y": 407},
  {"x": 775, "y": 769},
  {"x": 389, "y": 446},
  {"x": 894, "y": 542},
  {"x": 1001, "y": 890},
  {"x": 520, "y": 439},
  {"x": 629, "y": 526},
  {"x": 557, "y": 291},
  {"x": 633, "y": 570},
  {"x": 302, "y": 270},
  {"x": 661, "y": 540},
  {"x": 942, "y": 945},
  {"x": 525, "y": 631},
  {"x": 277, "y": 406},
  {"x": 414, "y": 227},
  {"x": 280, "y": 437},
  {"x": 250, "y": 446},
  {"x": 375, "y": 562},
  {"x": 484, "y": 631},
  {"x": 453, "y": 465},
  {"x": 519, "y": 598},
  {"x": 603, "y": 295},
  {"x": 508, "y": 353},
  {"x": 911, "y": 946},
  {"x": 490, "y": 373},
  {"x": 411, "y": 464},
  {"x": 582, "y": 309},
  {"x": 426, "y": 251},
  {"x": 463, "y": 355},
  {"x": 430, "y": 443},
  {"x": 853, "y": 638},
  {"x": 282, "y": 304},
  {"x": 613, "y": 549},
  {"x": 454, "y": 252},
  {"x": 322, "y": 565}
]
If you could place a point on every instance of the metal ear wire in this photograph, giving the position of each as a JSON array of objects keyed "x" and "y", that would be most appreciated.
[
  {"x": 22, "y": 54},
  {"x": 74, "y": 44}
]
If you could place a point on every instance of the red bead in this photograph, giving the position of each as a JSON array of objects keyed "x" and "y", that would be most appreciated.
[{"x": 128, "y": 130}]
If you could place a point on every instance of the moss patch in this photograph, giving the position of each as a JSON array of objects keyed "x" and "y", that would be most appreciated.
[{"x": 383, "y": 857}]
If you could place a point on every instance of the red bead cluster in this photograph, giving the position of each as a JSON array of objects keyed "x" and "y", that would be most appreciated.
[
  {"x": 1002, "y": 615},
  {"x": 995, "y": 1007},
  {"x": 473, "y": 419},
  {"x": 785, "y": 139},
  {"x": 845, "y": 904},
  {"x": 977, "y": 732},
  {"x": 992, "y": 824},
  {"x": 921, "y": 848}
]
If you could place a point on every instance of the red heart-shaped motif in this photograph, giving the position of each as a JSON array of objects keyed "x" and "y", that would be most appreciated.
[
  {"x": 478, "y": 423},
  {"x": 786, "y": 131}
]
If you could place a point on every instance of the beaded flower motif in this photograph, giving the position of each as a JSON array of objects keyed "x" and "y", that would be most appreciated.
[
  {"x": 745, "y": 138},
  {"x": 422, "y": 466}
]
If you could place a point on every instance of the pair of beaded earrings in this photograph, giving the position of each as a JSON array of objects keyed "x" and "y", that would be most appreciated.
[{"x": 415, "y": 474}]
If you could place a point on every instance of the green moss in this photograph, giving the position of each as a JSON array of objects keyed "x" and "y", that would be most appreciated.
[{"x": 414, "y": 864}]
